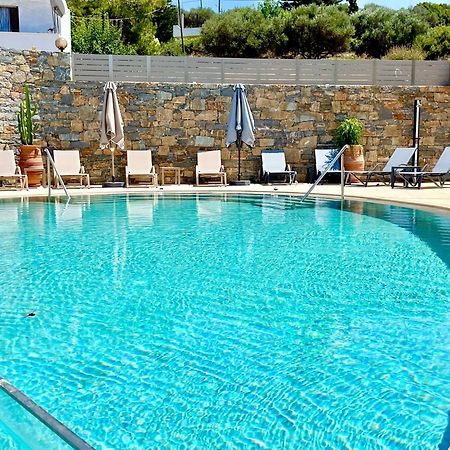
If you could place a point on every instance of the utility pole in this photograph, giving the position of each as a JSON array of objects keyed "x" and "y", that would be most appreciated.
[
  {"x": 180, "y": 22},
  {"x": 219, "y": 7}
]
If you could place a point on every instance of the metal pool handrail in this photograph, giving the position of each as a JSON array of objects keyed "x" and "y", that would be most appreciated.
[
  {"x": 340, "y": 154},
  {"x": 41, "y": 414},
  {"x": 49, "y": 184}
]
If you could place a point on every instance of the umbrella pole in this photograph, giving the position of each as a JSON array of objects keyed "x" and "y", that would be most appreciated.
[
  {"x": 112, "y": 159},
  {"x": 239, "y": 163},
  {"x": 239, "y": 146}
]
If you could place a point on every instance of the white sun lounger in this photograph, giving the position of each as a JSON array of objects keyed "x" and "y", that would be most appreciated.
[
  {"x": 323, "y": 158},
  {"x": 439, "y": 174},
  {"x": 68, "y": 164},
  {"x": 10, "y": 170},
  {"x": 140, "y": 165},
  {"x": 274, "y": 163},
  {"x": 400, "y": 157},
  {"x": 209, "y": 165}
]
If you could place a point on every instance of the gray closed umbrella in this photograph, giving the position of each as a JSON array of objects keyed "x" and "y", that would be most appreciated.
[
  {"x": 241, "y": 125},
  {"x": 111, "y": 123}
]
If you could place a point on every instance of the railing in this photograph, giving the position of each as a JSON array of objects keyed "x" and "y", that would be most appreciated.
[
  {"x": 51, "y": 162},
  {"x": 43, "y": 416},
  {"x": 173, "y": 69},
  {"x": 340, "y": 154}
]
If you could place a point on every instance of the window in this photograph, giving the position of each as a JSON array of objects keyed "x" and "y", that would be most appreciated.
[{"x": 9, "y": 18}]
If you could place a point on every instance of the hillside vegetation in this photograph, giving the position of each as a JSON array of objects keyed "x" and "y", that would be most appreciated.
[{"x": 289, "y": 29}]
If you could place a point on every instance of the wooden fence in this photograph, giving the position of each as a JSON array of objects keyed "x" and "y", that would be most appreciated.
[{"x": 172, "y": 69}]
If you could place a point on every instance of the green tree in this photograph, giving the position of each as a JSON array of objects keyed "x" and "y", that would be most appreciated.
[
  {"x": 196, "y": 17},
  {"x": 83, "y": 8},
  {"x": 165, "y": 18},
  {"x": 378, "y": 29},
  {"x": 436, "y": 43},
  {"x": 435, "y": 14},
  {"x": 292, "y": 4},
  {"x": 352, "y": 6},
  {"x": 236, "y": 33},
  {"x": 314, "y": 31},
  {"x": 270, "y": 8},
  {"x": 98, "y": 35},
  {"x": 134, "y": 17}
]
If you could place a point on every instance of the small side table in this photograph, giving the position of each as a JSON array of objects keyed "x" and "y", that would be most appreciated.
[
  {"x": 177, "y": 174},
  {"x": 399, "y": 169}
]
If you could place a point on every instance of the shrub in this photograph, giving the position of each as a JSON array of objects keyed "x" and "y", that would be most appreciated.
[
  {"x": 436, "y": 43},
  {"x": 406, "y": 27},
  {"x": 435, "y": 14},
  {"x": 196, "y": 17},
  {"x": 236, "y": 33},
  {"x": 372, "y": 31},
  {"x": 377, "y": 29},
  {"x": 315, "y": 31},
  {"x": 174, "y": 48},
  {"x": 405, "y": 53},
  {"x": 98, "y": 35}
]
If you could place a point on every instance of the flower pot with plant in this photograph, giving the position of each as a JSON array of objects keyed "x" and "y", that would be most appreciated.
[
  {"x": 350, "y": 132},
  {"x": 30, "y": 160}
]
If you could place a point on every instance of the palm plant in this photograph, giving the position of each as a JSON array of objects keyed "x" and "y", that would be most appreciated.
[{"x": 349, "y": 132}]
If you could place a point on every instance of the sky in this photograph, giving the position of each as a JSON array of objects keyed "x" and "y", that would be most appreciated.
[{"x": 229, "y": 4}]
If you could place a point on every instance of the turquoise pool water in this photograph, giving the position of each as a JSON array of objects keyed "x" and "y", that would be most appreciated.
[{"x": 229, "y": 321}]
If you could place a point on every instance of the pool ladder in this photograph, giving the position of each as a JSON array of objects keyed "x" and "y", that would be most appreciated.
[
  {"x": 340, "y": 154},
  {"x": 55, "y": 426},
  {"x": 51, "y": 162}
]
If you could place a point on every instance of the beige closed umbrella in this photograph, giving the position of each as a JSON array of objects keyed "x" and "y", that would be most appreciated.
[{"x": 111, "y": 126}]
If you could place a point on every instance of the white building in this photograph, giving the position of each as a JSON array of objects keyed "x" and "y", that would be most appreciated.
[{"x": 34, "y": 24}]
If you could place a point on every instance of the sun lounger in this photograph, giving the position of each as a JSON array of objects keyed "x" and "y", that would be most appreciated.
[
  {"x": 274, "y": 164},
  {"x": 68, "y": 164},
  {"x": 400, "y": 157},
  {"x": 10, "y": 170},
  {"x": 139, "y": 165},
  {"x": 209, "y": 165},
  {"x": 414, "y": 176},
  {"x": 323, "y": 158}
]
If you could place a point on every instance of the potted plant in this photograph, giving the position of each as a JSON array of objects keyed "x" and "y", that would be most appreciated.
[
  {"x": 350, "y": 132},
  {"x": 30, "y": 160}
]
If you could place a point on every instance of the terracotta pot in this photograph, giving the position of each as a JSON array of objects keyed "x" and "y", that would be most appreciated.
[
  {"x": 354, "y": 160},
  {"x": 30, "y": 162}
]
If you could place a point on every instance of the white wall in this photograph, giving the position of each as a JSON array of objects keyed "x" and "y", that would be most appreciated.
[
  {"x": 34, "y": 15},
  {"x": 35, "y": 19},
  {"x": 187, "y": 32},
  {"x": 29, "y": 41}
]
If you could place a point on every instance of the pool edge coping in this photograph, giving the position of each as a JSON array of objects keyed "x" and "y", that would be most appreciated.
[{"x": 189, "y": 189}]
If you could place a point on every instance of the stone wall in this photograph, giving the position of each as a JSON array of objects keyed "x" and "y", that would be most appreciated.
[{"x": 176, "y": 120}]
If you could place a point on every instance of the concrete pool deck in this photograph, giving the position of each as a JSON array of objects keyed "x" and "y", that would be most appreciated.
[{"x": 429, "y": 196}]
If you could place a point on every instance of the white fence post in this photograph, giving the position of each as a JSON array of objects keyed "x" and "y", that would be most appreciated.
[
  {"x": 111, "y": 67},
  {"x": 374, "y": 72},
  {"x": 222, "y": 70},
  {"x": 149, "y": 68},
  {"x": 335, "y": 71}
]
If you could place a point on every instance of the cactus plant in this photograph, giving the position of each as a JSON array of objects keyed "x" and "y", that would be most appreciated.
[{"x": 27, "y": 128}]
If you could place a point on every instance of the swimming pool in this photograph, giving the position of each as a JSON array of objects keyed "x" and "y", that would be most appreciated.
[{"x": 229, "y": 321}]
